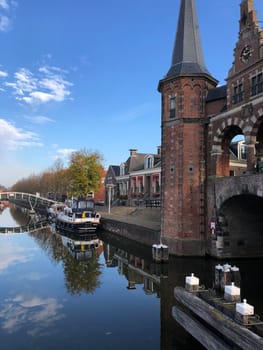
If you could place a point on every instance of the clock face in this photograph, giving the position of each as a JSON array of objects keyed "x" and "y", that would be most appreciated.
[{"x": 245, "y": 54}]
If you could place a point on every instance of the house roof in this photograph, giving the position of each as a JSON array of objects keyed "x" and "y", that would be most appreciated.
[
  {"x": 135, "y": 162},
  {"x": 115, "y": 169},
  {"x": 217, "y": 94}
]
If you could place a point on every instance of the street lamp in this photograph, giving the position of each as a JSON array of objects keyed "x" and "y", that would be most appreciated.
[{"x": 109, "y": 187}]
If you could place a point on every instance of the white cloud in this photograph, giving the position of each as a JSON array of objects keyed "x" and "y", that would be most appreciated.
[
  {"x": 39, "y": 119},
  {"x": 4, "y": 4},
  {"x": 5, "y": 23},
  {"x": 12, "y": 138},
  {"x": 49, "y": 85},
  {"x": 3, "y": 74},
  {"x": 64, "y": 153},
  {"x": 24, "y": 83},
  {"x": 6, "y": 14}
]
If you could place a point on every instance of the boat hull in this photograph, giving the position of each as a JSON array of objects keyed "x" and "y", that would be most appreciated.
[
  {"x": 77, "y": 227},
  {"x": 80, "y": 217}
]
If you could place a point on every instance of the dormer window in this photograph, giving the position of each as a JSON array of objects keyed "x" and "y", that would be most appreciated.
[
  {"x": 172, "y": 107},
  {"x": 148, "y": 162},
  {"x": 238, "y": 94},
  {"x": 257, "y": 84}
]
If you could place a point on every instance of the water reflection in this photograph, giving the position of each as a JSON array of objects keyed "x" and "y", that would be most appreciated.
[
  {"x": 23, "y": 310},
  {"x": 79, "y": 258},
  {"x": 15, "y": 216},
  {"x": 58, "y": 291},
  {"x": 12, "y": 255},
  {"x": 21, "y": 305}
]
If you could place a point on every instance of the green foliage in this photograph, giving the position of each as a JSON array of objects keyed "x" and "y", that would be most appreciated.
[
  {"x": 84, "y": 172},
  {"x": 83, "y": 175}
]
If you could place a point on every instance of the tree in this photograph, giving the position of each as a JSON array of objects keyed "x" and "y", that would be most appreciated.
[
  {"x": 60, "y": 181},
  {"x": 84, "y": 172}
]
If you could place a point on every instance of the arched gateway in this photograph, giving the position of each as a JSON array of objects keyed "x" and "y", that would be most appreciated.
[{"x": 205, "y": 210}]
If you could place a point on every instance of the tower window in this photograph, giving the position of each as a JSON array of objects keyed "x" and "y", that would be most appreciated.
[
  {"x": 257, "y": 84},
  {"x": 172, "y": 107},
  {"x": 238, "y": 95}
]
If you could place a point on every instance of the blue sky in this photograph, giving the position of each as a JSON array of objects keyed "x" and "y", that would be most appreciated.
[{"x": 84, "y": 74}]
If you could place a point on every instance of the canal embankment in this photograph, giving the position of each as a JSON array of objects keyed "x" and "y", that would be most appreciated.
[{"x": 135, "y": 223}]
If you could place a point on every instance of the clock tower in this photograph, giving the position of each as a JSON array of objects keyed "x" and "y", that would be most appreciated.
[
  {"x": 247, "y": 53},
  {"x": 183, "y": 91}
]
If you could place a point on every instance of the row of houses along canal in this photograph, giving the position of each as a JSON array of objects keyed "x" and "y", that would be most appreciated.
[{"x": 107, "y": 295}]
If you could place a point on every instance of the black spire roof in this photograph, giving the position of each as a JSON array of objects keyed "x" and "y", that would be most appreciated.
[{"x": 187, "y": 54}]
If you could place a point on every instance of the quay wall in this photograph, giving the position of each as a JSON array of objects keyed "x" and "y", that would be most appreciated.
[{"x": 135, "y": 232}]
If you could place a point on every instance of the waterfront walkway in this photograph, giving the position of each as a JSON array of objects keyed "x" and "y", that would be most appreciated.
[{"x": 145, "y": 217}]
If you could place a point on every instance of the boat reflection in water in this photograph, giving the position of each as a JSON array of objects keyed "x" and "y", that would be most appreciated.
[
  {"x": 60, "y": 291},
  {"x": 81, "y": 247}
]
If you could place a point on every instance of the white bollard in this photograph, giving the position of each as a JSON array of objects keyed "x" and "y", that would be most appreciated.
[
  {"x": 243, "y": 311},
  {"x": 232, "y": 293},
  {"x": 191, "y": 283}
]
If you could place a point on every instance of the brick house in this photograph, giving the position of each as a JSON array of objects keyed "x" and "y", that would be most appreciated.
[
  {"x": 238, "y": 158},
  {"x": 136, "y": 180}
]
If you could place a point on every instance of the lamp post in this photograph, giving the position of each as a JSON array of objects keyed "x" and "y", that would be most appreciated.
[{"x": 109, "y": 187}]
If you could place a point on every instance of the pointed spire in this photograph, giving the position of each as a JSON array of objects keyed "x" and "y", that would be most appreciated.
[{"x": 187, "y": 54}]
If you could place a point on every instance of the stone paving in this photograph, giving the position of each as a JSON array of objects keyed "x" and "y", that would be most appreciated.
[{"x": 146, "y": 217}]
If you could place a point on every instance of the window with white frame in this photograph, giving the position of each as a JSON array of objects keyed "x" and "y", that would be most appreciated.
[
  {"x": 172, "y": 107},
  {"x": 149, "y": 162}
]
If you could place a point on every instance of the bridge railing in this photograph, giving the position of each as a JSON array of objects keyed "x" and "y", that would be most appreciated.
[
  {"x": 28, "y": 228},
  {"x": 27, "y": 197}
]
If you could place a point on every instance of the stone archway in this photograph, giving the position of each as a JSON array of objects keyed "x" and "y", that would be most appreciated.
[
  {"x": 241, "y": 226},
  {"x": 222, "y": 156}
]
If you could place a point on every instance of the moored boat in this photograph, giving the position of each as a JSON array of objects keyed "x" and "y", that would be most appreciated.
[
  {"x": 79, "y": 217},
  {"x": 54, "y": 210}
]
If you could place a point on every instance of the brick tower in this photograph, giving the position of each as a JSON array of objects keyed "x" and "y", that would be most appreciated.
[{"x": 184, "y": 90}]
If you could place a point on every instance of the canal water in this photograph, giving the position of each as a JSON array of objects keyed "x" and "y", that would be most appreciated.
[{"x": 111, "y": 296}]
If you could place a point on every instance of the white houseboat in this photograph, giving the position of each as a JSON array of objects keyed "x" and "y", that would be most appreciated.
[{"x": 78, "y": 217}]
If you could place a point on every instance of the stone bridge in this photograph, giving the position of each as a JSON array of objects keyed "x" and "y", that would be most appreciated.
[{"x": 235, "y": 206}]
